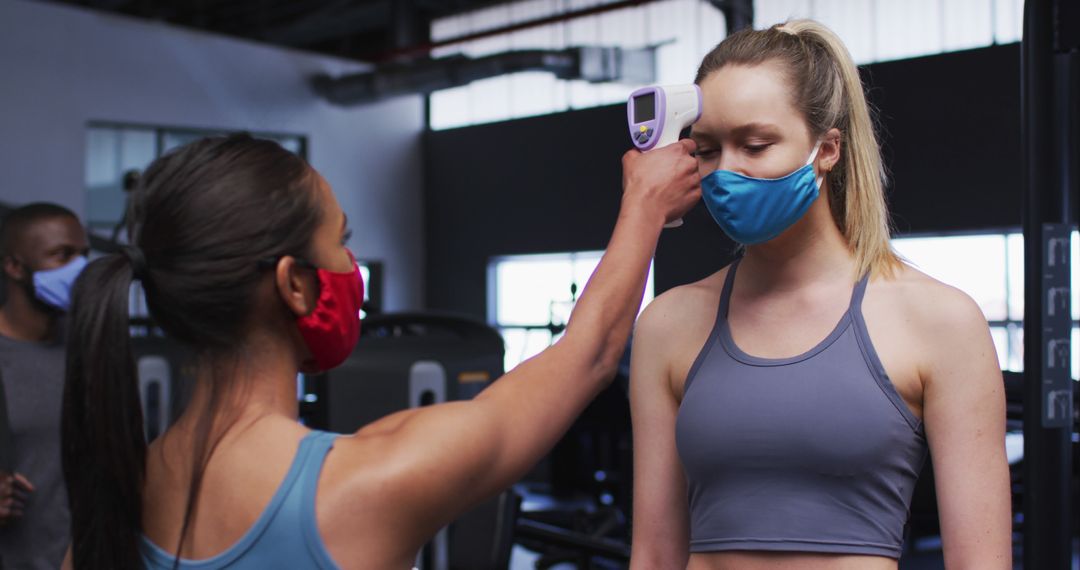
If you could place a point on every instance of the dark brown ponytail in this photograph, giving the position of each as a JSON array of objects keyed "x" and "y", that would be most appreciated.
[{"x": 202, "y": 218}]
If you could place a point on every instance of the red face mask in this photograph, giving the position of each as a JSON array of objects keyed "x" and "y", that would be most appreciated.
[{"x": 333, "y": 328}]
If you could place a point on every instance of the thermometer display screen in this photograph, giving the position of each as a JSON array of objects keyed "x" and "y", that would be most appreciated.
[{"x": 644, "y": 107}]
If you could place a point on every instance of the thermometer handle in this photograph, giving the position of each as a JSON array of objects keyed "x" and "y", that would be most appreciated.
[{"x": 668, "y": 136}]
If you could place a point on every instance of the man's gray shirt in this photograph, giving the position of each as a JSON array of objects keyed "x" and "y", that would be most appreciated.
[{"x": 33, "y": 377}]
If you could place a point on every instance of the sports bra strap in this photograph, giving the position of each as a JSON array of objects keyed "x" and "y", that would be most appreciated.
[
  {"x": 725, "y": 294},
  {"x": 858, "y": 293},
  {"x": 318, "y": 447}
]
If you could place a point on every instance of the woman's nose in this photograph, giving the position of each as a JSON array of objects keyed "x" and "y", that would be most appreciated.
[
  {"x": 718, "y": 161},
  {"x": 729, "y": 161}
]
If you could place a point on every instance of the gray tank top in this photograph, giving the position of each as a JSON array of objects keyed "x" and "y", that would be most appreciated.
[{"x": 813, "y": 453}]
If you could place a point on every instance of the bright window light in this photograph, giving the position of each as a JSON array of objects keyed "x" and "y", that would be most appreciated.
[
  {"x": 530, "y": 298},
  {"x": 685, "y": 30},
  {"x": 973, "y": 264}
]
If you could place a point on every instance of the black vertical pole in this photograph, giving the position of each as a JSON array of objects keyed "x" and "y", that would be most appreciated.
[
  {"x": 1047, "y": 451},
  {"x": 738, "y": 14}
]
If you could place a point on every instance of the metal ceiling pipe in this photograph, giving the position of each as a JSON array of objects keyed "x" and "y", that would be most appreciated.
[
  {"x": 593, "y": 64},
  {"x": 425, "y": 48}
]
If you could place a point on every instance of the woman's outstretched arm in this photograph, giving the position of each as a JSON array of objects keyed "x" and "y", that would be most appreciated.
[{"x": 449, "y": 457}]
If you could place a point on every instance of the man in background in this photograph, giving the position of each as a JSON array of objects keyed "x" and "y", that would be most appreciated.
[{"x": 43, "y": 248}]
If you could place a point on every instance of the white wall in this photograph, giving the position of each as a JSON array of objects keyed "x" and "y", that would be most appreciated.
[{"x": 61, "y": 67}]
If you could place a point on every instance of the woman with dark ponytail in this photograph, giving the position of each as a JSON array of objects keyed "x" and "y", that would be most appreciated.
[
  {"x": 239, "y": 247},
  {"x": 104, "y": 452}
]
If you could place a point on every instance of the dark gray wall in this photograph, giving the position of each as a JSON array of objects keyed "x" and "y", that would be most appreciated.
[
  {"x": 950, "y": 127},
  {"x": 62, "y": 67},
  {"x": 951, "y": 138}
]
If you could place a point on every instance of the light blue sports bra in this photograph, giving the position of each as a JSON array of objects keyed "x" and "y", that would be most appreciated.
[{"x": 285, "y": 536}]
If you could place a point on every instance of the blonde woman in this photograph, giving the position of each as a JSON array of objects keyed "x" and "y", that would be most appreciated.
[{"x": 784, "y": 406}]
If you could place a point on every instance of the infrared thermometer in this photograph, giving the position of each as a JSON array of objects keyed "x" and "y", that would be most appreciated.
[{"x": 658, "y": 114}]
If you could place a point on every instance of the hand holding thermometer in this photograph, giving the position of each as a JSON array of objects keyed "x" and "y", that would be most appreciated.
[{"x": 658, "y": 114}]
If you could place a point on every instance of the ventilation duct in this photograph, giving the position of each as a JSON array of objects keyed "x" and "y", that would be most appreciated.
[{"x": 594, "y": 64}]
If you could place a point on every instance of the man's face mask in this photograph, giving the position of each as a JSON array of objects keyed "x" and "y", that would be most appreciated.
[{"x": 53, "y": 286}]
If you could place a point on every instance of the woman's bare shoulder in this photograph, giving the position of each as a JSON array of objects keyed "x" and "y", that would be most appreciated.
[
  {"x": 930, "y": 305},
  {"x": 684, "y": 305}
]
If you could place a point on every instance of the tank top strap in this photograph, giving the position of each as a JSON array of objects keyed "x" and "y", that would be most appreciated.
[
  {"x": 319, "y": 444},
  {"x": 858, "y": 292},
  {"x": 725, "y": 294},
  {"x": 299, "y": 483},
  {"x": 870, "y": 355}
]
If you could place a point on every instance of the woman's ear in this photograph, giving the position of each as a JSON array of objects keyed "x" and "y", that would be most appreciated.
[
  {"x": 293, "y": 287},
  {"x": 829, "y": 151}
]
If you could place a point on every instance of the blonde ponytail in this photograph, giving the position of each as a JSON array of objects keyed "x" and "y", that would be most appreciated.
[{"x": 829, "y": 93}]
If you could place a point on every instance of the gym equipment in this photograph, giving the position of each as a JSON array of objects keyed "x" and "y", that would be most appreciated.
[
  {"x": 403, "y": 360},
  {"x": 657, "y": 115},
  {"x": 1050, "y": 125},
  {"x": 166, "y": 377},
  {"x": 483, "y": 538},
  {"x": 410, "y": 360},
  {"x": 577, "y": 501}
]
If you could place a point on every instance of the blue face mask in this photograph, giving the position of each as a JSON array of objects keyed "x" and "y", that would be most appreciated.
[
  {"x": 755, "y": 210},
  {"x": 53, "y": 286}
]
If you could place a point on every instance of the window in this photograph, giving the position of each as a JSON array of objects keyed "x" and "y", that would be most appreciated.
[
  {"x": 372, "y": 272},
  {"x": 883, "y": 30},
  {"x": 992, "y": 273},
  {"x": 685, "y": 30},
  {"x": 530, "y": 298},
  {"x": 110, "y": 153},
  {"x": 113, "y": 150}
]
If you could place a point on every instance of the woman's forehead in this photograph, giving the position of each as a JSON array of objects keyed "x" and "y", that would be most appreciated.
[{"x": 737, "y": 95}]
